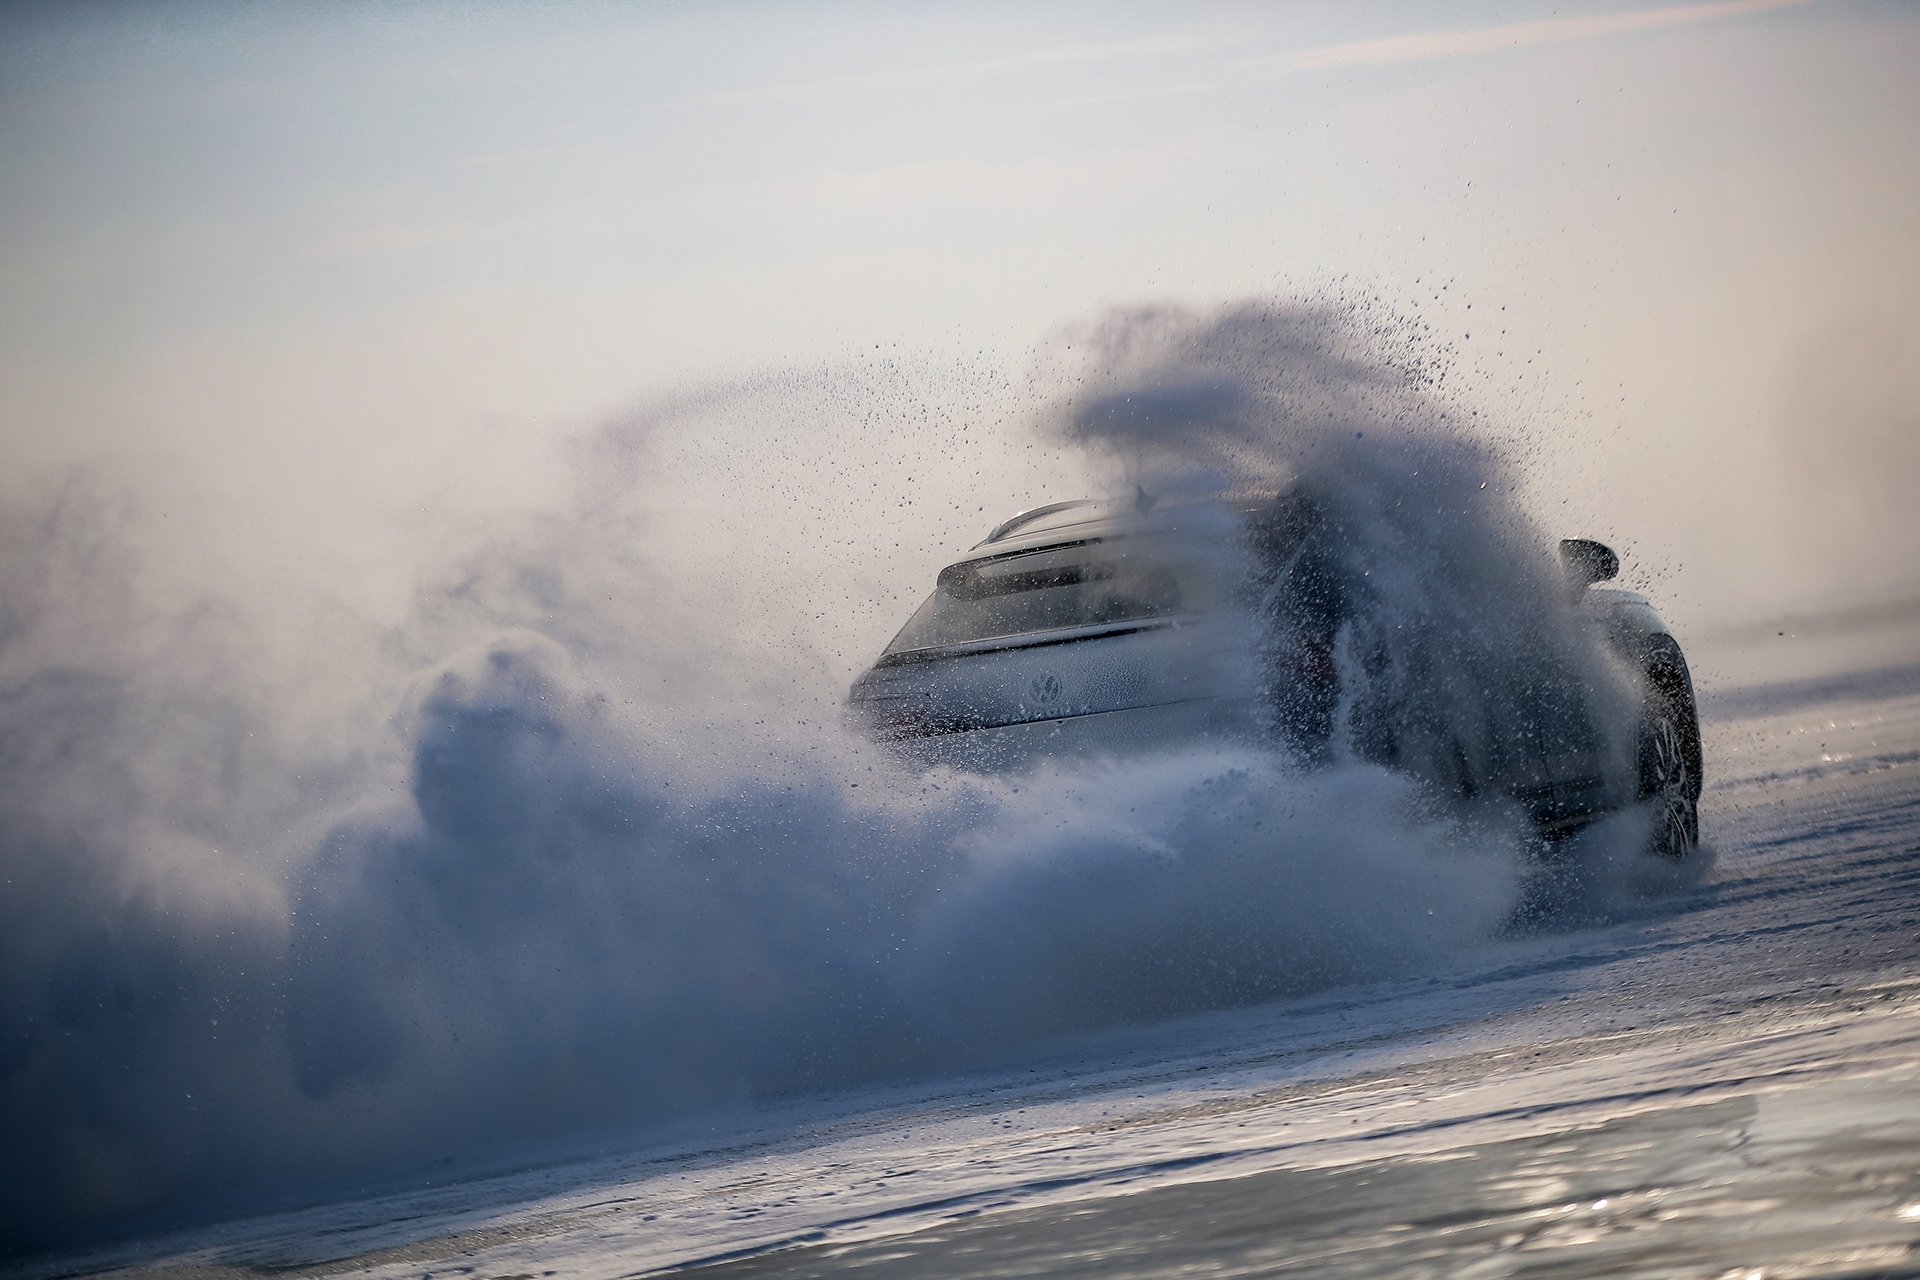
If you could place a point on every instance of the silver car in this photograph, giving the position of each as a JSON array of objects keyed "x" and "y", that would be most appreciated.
[{"x": 1114, "y": 625}]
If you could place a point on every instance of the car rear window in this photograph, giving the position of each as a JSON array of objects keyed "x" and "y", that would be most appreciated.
[{"x": 1053, "y": 588}]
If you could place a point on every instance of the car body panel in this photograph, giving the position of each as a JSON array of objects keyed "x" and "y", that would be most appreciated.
[{"x": 1162, "y": 660}]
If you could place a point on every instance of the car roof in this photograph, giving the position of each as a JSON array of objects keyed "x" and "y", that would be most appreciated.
[
  {"x": 1087, "y": 518},
  {"x": 1054, "y": 517}
]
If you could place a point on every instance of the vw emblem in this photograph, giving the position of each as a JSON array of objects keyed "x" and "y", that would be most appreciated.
[{"x": 1045, "y": 689}]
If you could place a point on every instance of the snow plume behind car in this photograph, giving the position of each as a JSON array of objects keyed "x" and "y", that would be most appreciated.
[
  {"x": 1400, "y": 556},
  {"x": 564, "y": 852}
]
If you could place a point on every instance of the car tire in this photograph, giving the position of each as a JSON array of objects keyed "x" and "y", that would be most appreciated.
[{"x": 1670, "y": 753}]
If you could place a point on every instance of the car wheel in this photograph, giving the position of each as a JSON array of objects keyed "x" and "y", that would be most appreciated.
[{"x": 1666, "y": 768}]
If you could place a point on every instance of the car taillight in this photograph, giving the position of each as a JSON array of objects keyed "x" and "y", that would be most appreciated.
[
  {"x": 1307, "y": 656},
  {"x": 891, "y": 717}
]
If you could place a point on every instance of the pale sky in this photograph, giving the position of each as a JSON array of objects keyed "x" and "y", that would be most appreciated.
[{"x": 337, "y": 272}]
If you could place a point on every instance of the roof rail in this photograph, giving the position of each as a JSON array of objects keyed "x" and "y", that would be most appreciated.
[{"x": 1006, "y": 527}]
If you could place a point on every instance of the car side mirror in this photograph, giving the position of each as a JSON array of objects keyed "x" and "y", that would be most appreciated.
[{"x": 1587, "y": 561}]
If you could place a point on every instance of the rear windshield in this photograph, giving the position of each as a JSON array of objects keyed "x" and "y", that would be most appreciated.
[{"x": 1079, "y": 584}]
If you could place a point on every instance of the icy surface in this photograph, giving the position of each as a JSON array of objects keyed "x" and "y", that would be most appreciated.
[{"x": 1711, "y": 1071}]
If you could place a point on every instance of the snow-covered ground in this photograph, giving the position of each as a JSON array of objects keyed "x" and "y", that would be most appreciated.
[{"x": 1713, "y": 1071}]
